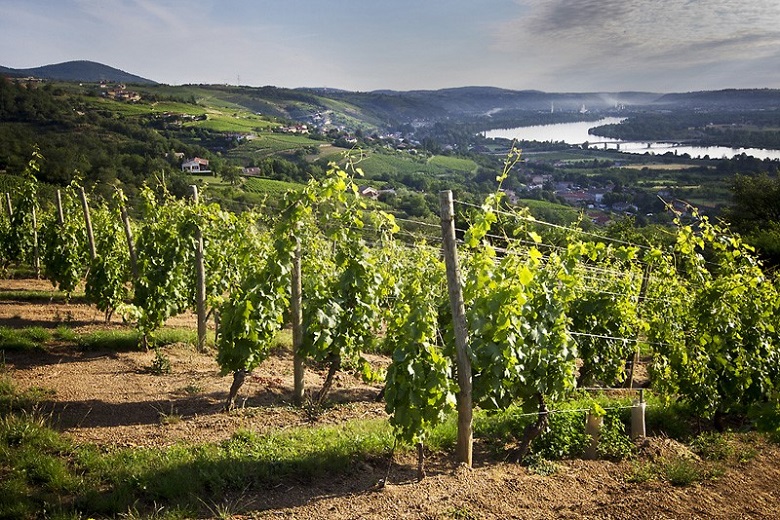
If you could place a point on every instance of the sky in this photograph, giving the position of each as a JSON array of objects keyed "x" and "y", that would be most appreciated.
[{"x": 364, "y": 45}]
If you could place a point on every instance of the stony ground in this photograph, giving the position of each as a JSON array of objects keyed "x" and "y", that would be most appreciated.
[{"x": 111, "y": 398}]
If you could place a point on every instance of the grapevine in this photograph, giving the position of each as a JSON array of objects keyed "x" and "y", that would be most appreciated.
[
  {"x": 64, "y": 244},
  {"x": 107, "y": 284},
  {"x": 420, "y": 391}
]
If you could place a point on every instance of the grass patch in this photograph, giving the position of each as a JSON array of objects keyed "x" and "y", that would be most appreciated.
[
  {"x": 131, "y": 339},
  {"x": 678, "y": 471},
  {"x": 29, "y": 338},
  {"x": 43, "y": 471},
  {"x": 684, "y": 472},
  {"x": 38, "y": 296},
  {"x": 44, "y": 468}
]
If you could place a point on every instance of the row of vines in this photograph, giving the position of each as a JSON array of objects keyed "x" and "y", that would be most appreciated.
[{"x": 547, "y": 310}]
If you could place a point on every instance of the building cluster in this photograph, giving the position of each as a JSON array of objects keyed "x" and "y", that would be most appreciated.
[{"x": 118, "y": 92}]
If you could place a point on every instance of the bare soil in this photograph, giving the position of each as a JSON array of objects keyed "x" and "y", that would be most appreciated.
[{"x": 112, "y": 399}]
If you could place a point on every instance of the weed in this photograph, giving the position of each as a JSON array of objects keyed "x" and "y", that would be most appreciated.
[
  {"x": 745, "y": 454},
  {"x": 614, "y": 443},
  {"x": 683, "y": 471},
  {"x": 228, "y": 508},
  {"x": 156, "y": 513},
  {"x": 541, "y": 466},
  {"x": 641, "y": 472},
  {"x": 720, "y": 447},
  {"x": 712, "y": 446},
  {"x": 161, "y": 365},
  {"x": 170, "y": 417},
  {"x": 566, "y": 437},
  {"x": 192, "y": 389},
  {"x": 462, "y": 513}
]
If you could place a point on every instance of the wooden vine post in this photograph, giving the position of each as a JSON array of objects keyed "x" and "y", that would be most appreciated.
[
  {"x": 128, "y": 236},
  {"x": 635, "y": 359},
  {"x": 465, "y": 411},
  {"x": 36, "y": 249},
  {"x": 297, "y": 327},
  {"x": 8, "y": 207},
  {"x": 60, "y": 214},
  {"x": 88, "y": 221},
  {"x": 200, "y": 281}
]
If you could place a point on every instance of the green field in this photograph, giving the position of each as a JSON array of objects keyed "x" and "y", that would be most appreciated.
[
  {"x": 453, "y": 163},
  {"x": 218, "y": 117},
  {"x": 551, "y": 212},
  {"x": 266, "y": 144},
  {"x": 269, "y": 186},
  {"x": 375, "y": 164}
]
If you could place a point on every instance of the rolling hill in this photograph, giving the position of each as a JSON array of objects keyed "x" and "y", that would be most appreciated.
[{"x": 86, "y": 71}]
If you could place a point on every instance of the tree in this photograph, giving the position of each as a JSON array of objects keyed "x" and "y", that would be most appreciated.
[
  {"x": 756, "y": 212},
  {"x": 232, "y": 174}
]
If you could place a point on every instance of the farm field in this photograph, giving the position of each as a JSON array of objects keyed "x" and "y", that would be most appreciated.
[{"x": 111, "y": 399}]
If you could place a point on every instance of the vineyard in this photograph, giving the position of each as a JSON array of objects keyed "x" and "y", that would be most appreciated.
[{"x": 495, "y": 325}]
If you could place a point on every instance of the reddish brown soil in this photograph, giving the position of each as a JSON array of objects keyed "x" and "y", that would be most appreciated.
[{"x": 112, "y": 399}]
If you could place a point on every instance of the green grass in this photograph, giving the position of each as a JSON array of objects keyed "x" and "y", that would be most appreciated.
[
  {"x": 42, "y": 296},
  {"x": 29, "y": 338},
  {"x": 131, "y": 339},
  {"x": 42, "y": 468}
]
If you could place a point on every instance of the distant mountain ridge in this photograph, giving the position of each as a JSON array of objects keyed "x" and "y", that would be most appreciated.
[
  {"x": 382, "y": 108},
  {"x": 81, "y": 70}
]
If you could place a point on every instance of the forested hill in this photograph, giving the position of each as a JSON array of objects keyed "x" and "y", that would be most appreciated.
[
  {"x": 480, "y": 101},
  {"x": 86, "y": 71},
  {"x": 729, "y": 99}
]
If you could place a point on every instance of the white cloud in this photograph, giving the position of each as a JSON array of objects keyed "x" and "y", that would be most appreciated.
[{"x": 580, "y": 41}]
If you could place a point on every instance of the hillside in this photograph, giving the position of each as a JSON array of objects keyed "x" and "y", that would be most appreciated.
[
  {"x": 82, "y": 70},
  {"x": 729, "y": 99}
]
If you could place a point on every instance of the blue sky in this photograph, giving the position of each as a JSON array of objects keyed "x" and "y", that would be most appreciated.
[{"x": 550, "y": 45}]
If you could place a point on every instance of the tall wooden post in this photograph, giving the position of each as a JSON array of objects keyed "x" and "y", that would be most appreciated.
[
  {"x": 297, "y": 327},
  {"x": 36, "y": 250},
  {"x": 465, "y": 427},
  {"x": 635, "y": 358},
  {"x": 60, "y": 213},
  {"x": 88, "y": 221},
  {"x": 8, "y": 206},
  {"x": 128, "y": 236},
  {"x": 200, "y": 282}
]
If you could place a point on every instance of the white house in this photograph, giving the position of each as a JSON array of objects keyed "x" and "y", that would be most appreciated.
[{"x": 196, "y": 165}]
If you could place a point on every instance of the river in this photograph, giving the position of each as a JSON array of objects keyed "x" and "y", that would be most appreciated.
[{"x": 577, "y": 134}]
